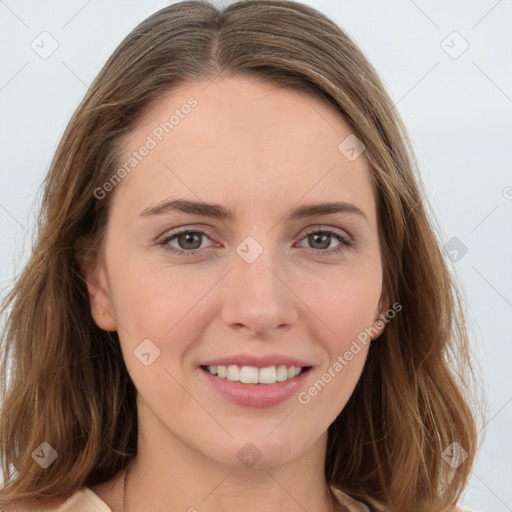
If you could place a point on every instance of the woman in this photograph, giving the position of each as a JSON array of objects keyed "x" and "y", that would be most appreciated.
[{"x": 254, "y": 368}]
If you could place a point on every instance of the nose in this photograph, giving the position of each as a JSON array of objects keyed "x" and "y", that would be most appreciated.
[{"x": 258, "y": 297}]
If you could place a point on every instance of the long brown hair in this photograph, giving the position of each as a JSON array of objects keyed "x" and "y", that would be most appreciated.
[{"x": 68, "y": 383}]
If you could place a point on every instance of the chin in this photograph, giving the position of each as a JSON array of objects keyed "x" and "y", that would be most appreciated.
[{"x": 259, "y": 453}]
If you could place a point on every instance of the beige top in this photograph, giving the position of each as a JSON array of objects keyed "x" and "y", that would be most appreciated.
[{"x": 85, "y": 500}]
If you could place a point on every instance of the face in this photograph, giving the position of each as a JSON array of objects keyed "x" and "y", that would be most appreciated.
[{"x": 257, "y": 281}]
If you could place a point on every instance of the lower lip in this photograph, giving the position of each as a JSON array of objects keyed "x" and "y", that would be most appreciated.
[{"x": 256, "y": 395}]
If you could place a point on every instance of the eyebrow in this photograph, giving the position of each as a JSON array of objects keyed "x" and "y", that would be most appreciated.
[{"x": 218, "y": 211}]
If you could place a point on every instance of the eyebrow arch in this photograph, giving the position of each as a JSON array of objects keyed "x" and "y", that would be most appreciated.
[{"x": 220, "y": 212}]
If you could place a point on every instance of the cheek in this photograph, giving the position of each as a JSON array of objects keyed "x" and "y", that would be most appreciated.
[
  {"x": 346, "y": 302},
  {"x": 347, "y": 309},
  {"x": 150, "y": 297},
  {"x": 168, "y": 306},
  {"x": 347, "y": 313},
  {"x": 328, "y": 392}
]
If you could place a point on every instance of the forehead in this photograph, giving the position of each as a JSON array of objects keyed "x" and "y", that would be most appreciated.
[{"x": 238, "y": 140}]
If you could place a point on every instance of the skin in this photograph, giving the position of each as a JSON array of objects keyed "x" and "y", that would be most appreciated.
[{"x": 261, "y": 151}]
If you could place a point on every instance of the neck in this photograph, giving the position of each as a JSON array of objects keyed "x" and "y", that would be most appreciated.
[
  {"x": 232, "y": 489},
  {"x": 171, "y": 474},
  {"x": 333, "y": 505}
]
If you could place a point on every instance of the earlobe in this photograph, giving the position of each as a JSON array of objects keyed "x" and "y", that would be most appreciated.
[{"x": 102, "y": 310}]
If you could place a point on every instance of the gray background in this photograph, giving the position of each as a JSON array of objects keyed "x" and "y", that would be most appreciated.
[{"x": 457, "y": 107}]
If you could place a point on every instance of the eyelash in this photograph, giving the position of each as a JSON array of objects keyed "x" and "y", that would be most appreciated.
[{"x": 346, "y": 243}]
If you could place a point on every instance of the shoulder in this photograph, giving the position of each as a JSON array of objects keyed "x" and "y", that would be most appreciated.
[
  {"x": 356, "y": 506},
  {"x": 83, "y": 500}
]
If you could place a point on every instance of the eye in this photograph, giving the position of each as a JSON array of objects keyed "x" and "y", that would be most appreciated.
[
  {"x": 325, "y": 237},
  {"x": 189, "y": 242}
]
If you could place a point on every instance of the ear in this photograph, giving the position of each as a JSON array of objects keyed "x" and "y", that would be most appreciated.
[
  {"x": 380, "y": 315},
  {"x": 102, "y": 309}
]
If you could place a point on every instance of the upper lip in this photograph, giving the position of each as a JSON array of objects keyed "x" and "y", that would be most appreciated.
[{"x": 262, "y": 361}]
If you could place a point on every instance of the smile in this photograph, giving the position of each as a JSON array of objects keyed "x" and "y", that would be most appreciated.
[
  {"x": 250, "y": 386},
  {"x": 254, "y": 375}
]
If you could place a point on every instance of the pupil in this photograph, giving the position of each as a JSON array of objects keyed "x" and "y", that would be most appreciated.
[
  {"x": 325, "y": 237},
  {"x": 189, "y": 239}
]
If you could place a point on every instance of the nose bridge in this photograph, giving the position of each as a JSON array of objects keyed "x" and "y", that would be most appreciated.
[
  {"x": 255, "y": 267},
  {"x": 256, "y": 295}
]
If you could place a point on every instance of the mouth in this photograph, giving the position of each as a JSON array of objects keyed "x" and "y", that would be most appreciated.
[
  {"x": 251, "y": 386},
  {"x": 254, "y": 375}
]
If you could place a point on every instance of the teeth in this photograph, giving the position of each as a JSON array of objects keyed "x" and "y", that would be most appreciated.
[
  {"x": 248, "y": 374},
  {"x": 282, "y": 373},
  {"x": 268, "y": 375},
  {"x": 253, "y": 375},
  {"x": 233, "y": 373}
]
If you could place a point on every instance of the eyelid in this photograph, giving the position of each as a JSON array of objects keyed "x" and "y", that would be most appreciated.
[
  {"x": 205, "y": 228},
  {"x": 325, "y": 227}
]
